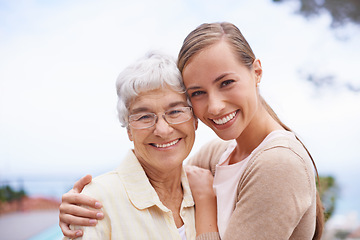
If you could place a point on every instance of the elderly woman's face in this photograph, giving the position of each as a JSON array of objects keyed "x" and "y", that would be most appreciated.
[{"x": 161, "y": 147}]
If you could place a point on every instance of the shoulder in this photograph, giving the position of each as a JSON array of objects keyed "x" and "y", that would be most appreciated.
[
  {"x": 102, "y": 185},
  {"x": 113, "y": 181},
  {"x": 282, "y": 150},
  {"x": 283, "y": 161},
  {"x": 209, "y": 154},
  {"x": 215, "y": 147}
]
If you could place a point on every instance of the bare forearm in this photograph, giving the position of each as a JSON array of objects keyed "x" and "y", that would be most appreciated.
[{"x": 206, "y": 215}]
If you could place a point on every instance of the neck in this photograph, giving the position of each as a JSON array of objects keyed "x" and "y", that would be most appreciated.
[
  {"x": 260, "y": 126},
  {"x": 164, "y": 182},
  {"x": 168, "y": 188},
  {"x": 167, "y": 184}
]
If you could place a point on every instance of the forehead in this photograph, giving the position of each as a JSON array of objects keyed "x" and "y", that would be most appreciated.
[
  {"x": 157, "y": 100},
  {"x": 210, "y": 63}
]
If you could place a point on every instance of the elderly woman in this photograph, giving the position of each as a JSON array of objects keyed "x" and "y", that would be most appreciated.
[{"x": 148, "y": 195}]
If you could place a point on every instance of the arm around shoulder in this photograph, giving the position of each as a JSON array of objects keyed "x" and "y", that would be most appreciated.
[{"x": 102, "y": 228}]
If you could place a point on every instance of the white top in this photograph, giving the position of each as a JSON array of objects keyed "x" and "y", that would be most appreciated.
[
  {"x": 227, "y": 178},
  {"x": 182, "y": 232}
]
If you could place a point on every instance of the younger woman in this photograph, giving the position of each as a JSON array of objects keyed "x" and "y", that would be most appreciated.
[{"x": 264, "y": 179}]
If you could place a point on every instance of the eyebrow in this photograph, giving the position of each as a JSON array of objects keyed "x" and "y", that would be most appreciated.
[
  {"x": 146, "y": 109},
  {"x": 221, "y": 76},
  {"x": 177, "y": 103},
  {"x": 139, "y": 110},
  {"x": 214, "y": 81}
]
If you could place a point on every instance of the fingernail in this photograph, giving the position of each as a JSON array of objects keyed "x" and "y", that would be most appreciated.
[
  {"x": 98, "y": 205},
  {"x": 92, "y": 221},
  {"x": 78, "y": 234},
  {"x": 99, "y": 215}
]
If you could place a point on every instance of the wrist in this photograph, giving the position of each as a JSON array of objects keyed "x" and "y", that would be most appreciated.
[{"x": 205, "y": 198}]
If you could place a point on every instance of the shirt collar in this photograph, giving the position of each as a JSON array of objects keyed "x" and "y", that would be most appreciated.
[
  {"x": 138, "y": 187},
  {"x": 188, "y": 200}
]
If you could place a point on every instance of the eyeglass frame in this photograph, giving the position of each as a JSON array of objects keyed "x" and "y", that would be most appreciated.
[{"x": 156, "y": 117}]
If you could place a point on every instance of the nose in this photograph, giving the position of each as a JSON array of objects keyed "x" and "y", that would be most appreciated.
[
  {"x": 162, "y": 128},
  {"x": 215, "y": 104}
]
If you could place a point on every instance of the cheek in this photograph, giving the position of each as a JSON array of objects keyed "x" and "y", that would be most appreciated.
[
  {"x": 138, "y": 138},
  {"x": 239, "y": 96},
  {"x": 198, "y": 111},
  {"x": 198, "y": 106}
]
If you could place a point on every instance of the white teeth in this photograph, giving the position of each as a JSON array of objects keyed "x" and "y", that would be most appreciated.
[
  {"x": 167, "y": 144},
  {"x": 225, "y": 119}
]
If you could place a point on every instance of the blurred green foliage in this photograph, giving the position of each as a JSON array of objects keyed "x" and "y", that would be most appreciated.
[
  {"x": 329, "y": 192},
  {"x": 7, "y": 194},
  {"x": 341, "y": 11}
]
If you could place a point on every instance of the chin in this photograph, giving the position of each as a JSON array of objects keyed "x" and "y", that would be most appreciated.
[{"x": 226, "y": 135}]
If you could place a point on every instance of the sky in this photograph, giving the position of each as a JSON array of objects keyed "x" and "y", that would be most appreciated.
[{"x": 59, "y": 61}]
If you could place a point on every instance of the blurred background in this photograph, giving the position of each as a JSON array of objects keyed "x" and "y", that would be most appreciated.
[{"x": 59, "y": 61}]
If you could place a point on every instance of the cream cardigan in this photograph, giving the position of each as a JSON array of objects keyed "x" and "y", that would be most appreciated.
[{"x": 276, "y": 194}]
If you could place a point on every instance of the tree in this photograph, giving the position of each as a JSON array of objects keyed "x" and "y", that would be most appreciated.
[
  {"x": 7, "y": 194},
  {"x": 341, "y": 11},
  {"x": 329, "y": 192}
]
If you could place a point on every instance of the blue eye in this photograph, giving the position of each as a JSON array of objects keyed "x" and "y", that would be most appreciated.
[
  {"x": 144, "y": 117},
  {"x": 174, "y": 112}
]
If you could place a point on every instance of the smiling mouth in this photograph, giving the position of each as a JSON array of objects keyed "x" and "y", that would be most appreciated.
[
  {"x": 166, "y": 144},
  {"x": 224, "y": 120}
]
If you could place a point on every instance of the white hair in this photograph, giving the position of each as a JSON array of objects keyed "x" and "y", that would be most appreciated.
[{"x": 153, "y": 71}]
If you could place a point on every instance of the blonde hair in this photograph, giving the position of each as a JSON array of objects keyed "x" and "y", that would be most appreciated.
[{"x": 208, "y": 34}]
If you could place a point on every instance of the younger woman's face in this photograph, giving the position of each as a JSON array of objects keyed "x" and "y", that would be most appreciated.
[{"x": 222, "y": 90}]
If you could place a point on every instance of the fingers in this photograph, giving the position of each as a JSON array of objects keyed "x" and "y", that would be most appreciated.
[
  {"x": 80, "y": 184},
  {"x": 75, "y": 220},
  {"x": 191, "y": 169},
  {"x": 71, "y": 211},
  {"x": 201, "y": 182},
  {"x": 78, "y": 212},
  {"x": 72, "y": 234},
  {"x": 77, "y": 215},
  {"x": 74, "y": 198}
]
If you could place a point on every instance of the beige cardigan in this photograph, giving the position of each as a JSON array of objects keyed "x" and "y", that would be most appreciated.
[{"x": 276, "y": 194}]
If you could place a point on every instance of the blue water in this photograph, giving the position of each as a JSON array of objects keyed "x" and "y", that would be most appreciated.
[{"x": 52, "y": 233}]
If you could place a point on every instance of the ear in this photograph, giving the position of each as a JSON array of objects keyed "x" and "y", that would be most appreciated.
[
  {"x": 129, "y": 134},
  {"x": 257, "y": 70}
]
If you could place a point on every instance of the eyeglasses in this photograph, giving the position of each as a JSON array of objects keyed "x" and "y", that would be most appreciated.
[{"x": 172, "y": 116}]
